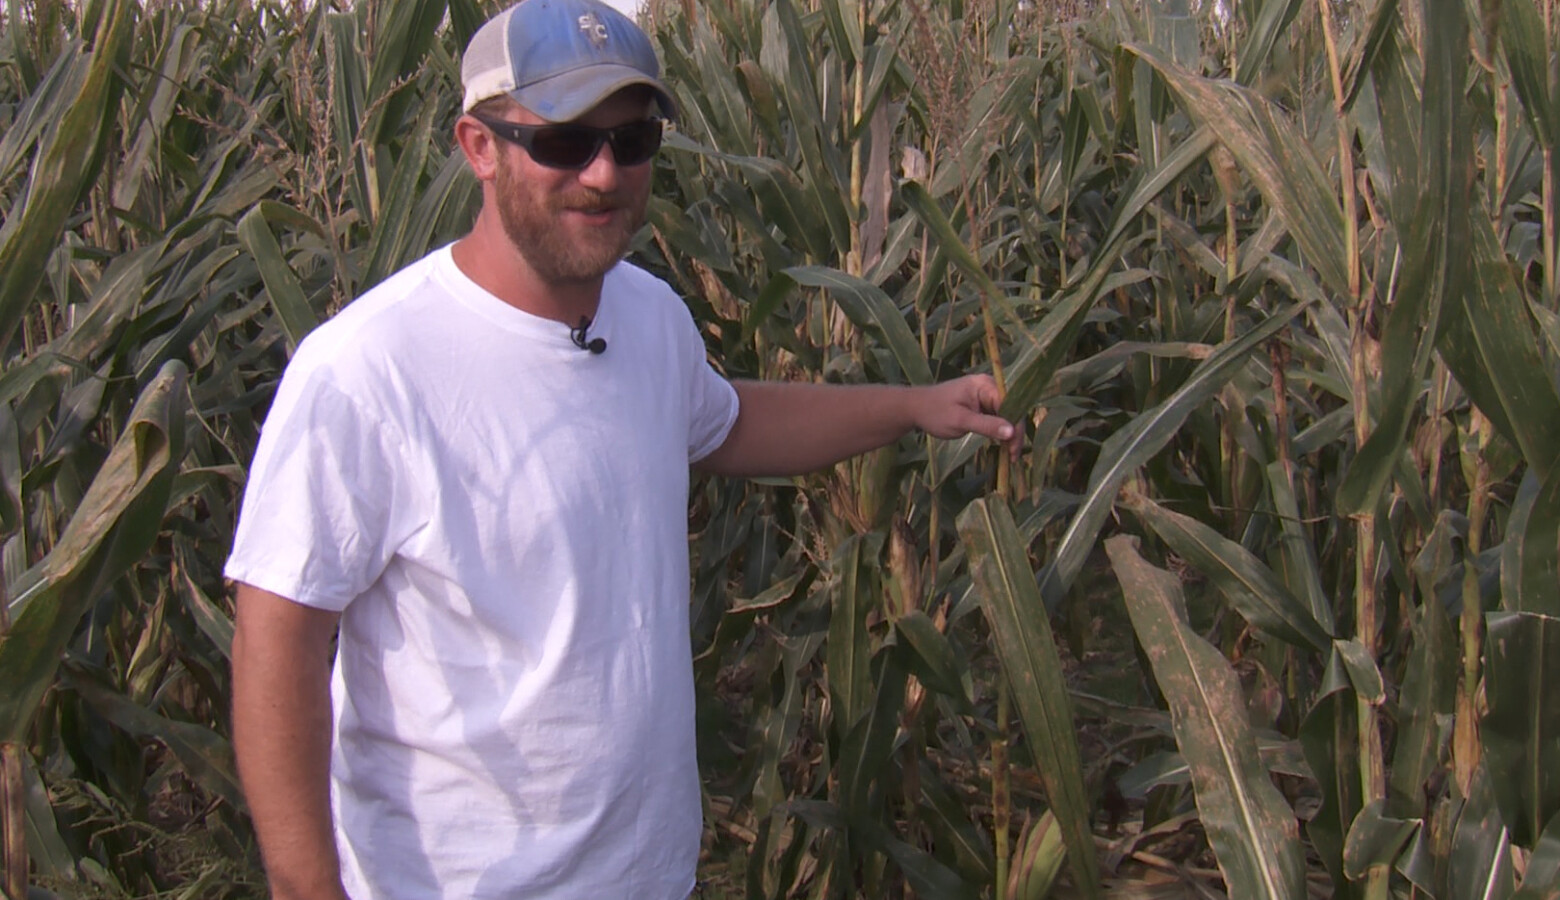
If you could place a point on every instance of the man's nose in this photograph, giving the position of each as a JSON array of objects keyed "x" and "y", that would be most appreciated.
[{"x": 601, "y": 173}]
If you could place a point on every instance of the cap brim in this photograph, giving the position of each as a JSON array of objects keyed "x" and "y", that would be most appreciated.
[{"x": 566, "y": 97}]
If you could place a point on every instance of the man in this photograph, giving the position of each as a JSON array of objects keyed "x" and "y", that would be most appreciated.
[{"x": 479, "y": 470}]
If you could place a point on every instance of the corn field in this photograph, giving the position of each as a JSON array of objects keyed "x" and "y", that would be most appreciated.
[{"x": 1269, "y": 608}]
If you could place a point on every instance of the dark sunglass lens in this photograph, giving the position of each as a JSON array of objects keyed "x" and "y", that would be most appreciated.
[
  {"x": 636, "y": 142},
  {"x": 565, "y": 146}
]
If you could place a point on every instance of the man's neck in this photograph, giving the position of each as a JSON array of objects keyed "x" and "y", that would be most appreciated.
[{"x": 488, "y": 257}]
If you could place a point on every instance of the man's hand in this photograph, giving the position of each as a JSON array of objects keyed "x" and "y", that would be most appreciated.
[{"x": 963, "y": 406}]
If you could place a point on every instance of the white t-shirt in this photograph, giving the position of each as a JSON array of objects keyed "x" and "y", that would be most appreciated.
[{"x": 501, "y": 518}]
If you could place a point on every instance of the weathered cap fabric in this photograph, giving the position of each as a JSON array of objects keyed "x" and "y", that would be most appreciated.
[{"x": 559, "y": 58}]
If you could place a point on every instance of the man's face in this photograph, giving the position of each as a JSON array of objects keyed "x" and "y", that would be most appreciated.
[{"x": 572, "y": 226}]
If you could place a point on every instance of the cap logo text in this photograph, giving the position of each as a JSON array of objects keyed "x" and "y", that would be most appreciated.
[{"x": 594, "y": 29}]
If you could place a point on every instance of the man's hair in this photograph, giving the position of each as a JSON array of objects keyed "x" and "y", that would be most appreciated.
[{"x": 494, "y": 107}]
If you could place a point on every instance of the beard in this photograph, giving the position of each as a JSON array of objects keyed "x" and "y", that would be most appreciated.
[{"x": 531, "y": 220}]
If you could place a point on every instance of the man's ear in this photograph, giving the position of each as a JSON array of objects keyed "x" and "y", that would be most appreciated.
[{"x": 480, "y": 147}]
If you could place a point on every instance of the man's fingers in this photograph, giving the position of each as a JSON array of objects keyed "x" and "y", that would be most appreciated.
[
  {"x": 967, "y": 407},
  {"x": 993, "y": 427}
]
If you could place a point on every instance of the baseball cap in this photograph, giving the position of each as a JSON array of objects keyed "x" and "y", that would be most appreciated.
[{"x": 560, "y": 58}]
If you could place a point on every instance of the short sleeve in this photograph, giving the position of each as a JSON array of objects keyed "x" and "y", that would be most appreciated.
[
  {"x": 328, "y": 498},
  {"x": 712, "y": 401}
]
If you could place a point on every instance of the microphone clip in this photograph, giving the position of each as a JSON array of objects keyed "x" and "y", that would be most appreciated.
[{"x": 580, "y": 335}]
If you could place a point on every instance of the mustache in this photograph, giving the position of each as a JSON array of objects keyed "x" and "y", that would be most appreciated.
[{"x": 589, "y": 198}]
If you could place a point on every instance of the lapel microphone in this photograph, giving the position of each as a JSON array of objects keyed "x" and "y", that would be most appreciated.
[{"x": 580, "y": 336}]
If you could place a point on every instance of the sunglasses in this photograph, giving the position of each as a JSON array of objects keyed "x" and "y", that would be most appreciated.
[{"x": 570, "y": 146}]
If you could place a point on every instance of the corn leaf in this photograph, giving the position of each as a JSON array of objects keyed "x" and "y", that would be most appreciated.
[
  {"x": 204, "y": 754},
  {"x": 1491, "y": 345},
  {"x": 1530, "y": 554},
  {"x": 1521, "y": 730},
  {"x": 1274, "y": 154},
  {"x": 1250, "y": 586},
  {"x": 115, "y": 523},
  {"x": 1129, "y": 448},
  {"x": 849, "y": 647},
  {"x": 928, "y": 654},
  {"x": 864, "y": 754},
  {"x": 1541, "y": 881},
  {"x": 63, "y": 169},
  {"x": 869, "y": 308},
  {"x": 281, "y": 282},
  {"x": 1027, "y": 650},
  {"x": 1435, "y": 262},
  {"x": 1328, "y": 736},
  {"x": 1479, "y": 865},
  {"x": 1252, "y": 830},
  {"x": 1522, "y": 38}
]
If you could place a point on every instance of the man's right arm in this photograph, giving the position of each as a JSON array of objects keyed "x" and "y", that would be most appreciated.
[{"x": 281, "y": 735}]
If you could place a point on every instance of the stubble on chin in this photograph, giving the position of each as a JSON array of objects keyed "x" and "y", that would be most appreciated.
[{"x": 533, "y": 224}]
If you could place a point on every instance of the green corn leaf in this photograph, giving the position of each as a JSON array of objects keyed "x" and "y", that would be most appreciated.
[
  {"x": 1529, "y": 567},
  {"x": 1273, "y": 17},
  {"x": 179, "y": 56},
  {"x": 866, "y": 750},
  {"x": 1328, "y": 735},
  {"x": 1522, "y": 38},
  {"x": 212, "y": 621},
  {"x": 869, "y": 308},
  {"x": 779, "y": 194},
  {"x": 1542, "y": 879},
  {"x": 41, "y": 108},
  {"x": 778, "y": 730},
  {"x": 849, "y": 650},
  {"x": 1167, "y": 767},
  {"x": 349, "y": 105},
  {"x": 63, "y": 169},
  {"x": 281, "y": 282},
  {"x": 1521, "y": 730},
  {"x": 1364, "y": 674},
  {"x": 949, "y": 240},
  {"x": 1027, "y": 650},
  {"x": 928, "y": 654},
  {"x": 1274, "y": 154},
  {"x": 927, "y": 876},
  {"x": 404, "y": 34},
  {"x": 1435, "y": 260},
  {"x": 1367, "y": 50},
  {"x": 845, "y": 27},
  {"x": 1252, "y": 829},
  {"x": 388, "y": 250},
  {"x": 1043, "y": 350},
  {"x": 1428, "y": 690},
  {"x": 46, "y": 847},
  {"x": 1296, "y": 556},
  {"x": 1124, "y": 452},
  {"x": 717, "y": 99},
  {"x": 1479, "y": 864},
  {"x": 949, "y": 822},
  {"x": 204, "y": 754},
  {"x": 1376, "y": 839},
  {"x": 1492, "y": 347},
  {"x": 1250, "y": 586},
  {"x": 115, "y": 523}
]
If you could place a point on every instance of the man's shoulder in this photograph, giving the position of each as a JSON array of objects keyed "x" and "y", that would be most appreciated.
[
  {"x": 390, "y": 300},
  {"x": 372, "y": 339},
  {"x": 647, "y": 291},
  {"x": 381, "y": 314}
]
